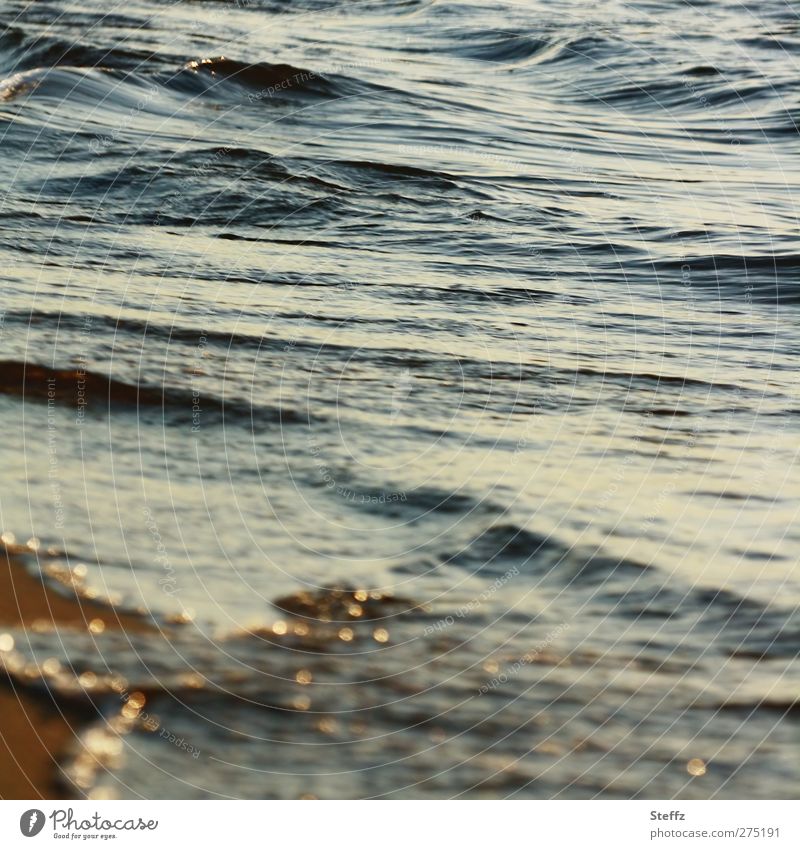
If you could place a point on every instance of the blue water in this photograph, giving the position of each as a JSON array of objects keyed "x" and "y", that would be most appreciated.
[{"x": 488, "y": 306}]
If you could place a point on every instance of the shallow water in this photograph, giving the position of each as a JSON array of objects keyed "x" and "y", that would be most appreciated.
[{"x": 489, "y": 306}]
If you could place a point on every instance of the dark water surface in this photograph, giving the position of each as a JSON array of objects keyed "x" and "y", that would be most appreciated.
[{"x": 491, "y": 307}]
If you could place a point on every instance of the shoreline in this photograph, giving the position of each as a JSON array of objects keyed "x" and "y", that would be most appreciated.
[{"x": 36, "y": 730}]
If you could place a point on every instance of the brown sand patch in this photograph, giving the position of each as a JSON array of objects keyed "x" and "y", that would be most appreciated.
[{"x": 34, "y": 730}]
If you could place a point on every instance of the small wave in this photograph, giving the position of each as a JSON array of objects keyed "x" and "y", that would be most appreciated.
[
  {"x": 701, "y": 71},
  {"x": 74, "y": 386},
  {"x": 87, "y": 390},
  {"x": 496, "y": 45},
  {"x": 578, "y": 50},
  {"x": 767, "y": 278},
  {"x": 263, "y": 82},
  {"x": 118, "y": 91},
  {"x": 748, "y": 629},
  {"x": 23, "y": 52},
  {"x": 503, "y": 544},
  {"x": 385, "y": 172}
]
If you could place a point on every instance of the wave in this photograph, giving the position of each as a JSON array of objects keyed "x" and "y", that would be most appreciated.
[
  {"x": 496, "y": 46},
  {"x": 20, "y": 51},
  {"x": 682, "y": 96},
  {"x": 503, "y": 545},
  {"x": 75, "y": 386},
  {"x": 84, "y": 390},
  {"x": 393, "y": 170},
  {"x": 80, "y": 77},
  {"x": 263, "y": 79},
  {"x": 765, "y": 278},
  {"x": 264, "y": 82},
  {"x": 117, "y": 90}
]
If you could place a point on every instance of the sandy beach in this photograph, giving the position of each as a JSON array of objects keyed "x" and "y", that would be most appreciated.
[{"x": 36, "y": 730}]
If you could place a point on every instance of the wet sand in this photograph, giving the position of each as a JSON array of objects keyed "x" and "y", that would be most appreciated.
[{"x": 34, "y": 730}]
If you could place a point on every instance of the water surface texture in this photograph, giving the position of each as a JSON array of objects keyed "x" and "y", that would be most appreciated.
[{"x": 428, "y": 370}]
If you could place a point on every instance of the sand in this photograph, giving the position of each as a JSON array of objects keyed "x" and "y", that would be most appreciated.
[{"x": 34, "y": 730}]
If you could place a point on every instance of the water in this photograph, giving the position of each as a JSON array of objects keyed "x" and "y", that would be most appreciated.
[{"x": 492, "y": 307}]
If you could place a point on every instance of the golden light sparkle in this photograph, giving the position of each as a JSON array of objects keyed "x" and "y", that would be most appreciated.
[{"x": 696, "y": 767}]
